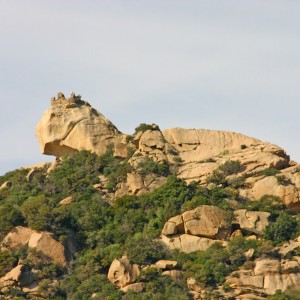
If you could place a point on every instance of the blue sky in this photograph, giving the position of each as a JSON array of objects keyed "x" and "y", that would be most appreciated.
[{"x": 226, "y": 65}]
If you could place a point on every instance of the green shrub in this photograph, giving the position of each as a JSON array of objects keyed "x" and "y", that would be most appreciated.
[
  {"x": 148, "y": 166},
  {"x": 208, "y": 160},
  {"x": 236, "y": 182},
  {"x": 288, "y": 295},
  {"x": 282, "y": 230},
  {"x": 11, "y": 217},
  {"x": 7, "y": 262},
  {"x": 268, "y": 172},
  {"x": 37, "y": 212},
  {"x": 144, "y": 127},
  {"x": 144, "y": 250},
  {"x": 237, "y": 247},
  {"x": 209, "y": 267},
  {"x": 231, "y": 167},
  {"x": 217, "y": 178},
  {"x": 282, "y": 180},
  {"x": 217, "y": 196},
  {"x": 269, "y": 203}
]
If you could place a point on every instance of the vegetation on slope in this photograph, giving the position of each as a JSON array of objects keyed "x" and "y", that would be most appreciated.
[{"x": 131, "y": 225}]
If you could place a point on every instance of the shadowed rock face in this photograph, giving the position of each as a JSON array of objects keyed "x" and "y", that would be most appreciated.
[{"x": 72, "y": 125}]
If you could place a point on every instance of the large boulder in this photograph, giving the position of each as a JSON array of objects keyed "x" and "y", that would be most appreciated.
[
  {"x": 50, "y": 247},
  {"x": 254, "y": 221},
  {"x": 72, "y": 124},
  {"x": 270, "y": 185},
  {"x": 42, "y": 241},
  {"x": 197, "y": 229},
  {"x": 18, "y": 236},
  {"x": 207, "y": 221},
  {"x": 21, "y": 275},
  {"x": 174, "y": 225},
  {"x": 284, "y": 282},
  {"x": 122, "y": 273},
  {"x": 166, "y": 264},
  {"x": 137, "y": 287},
  {"x": 188, "y": 243}
]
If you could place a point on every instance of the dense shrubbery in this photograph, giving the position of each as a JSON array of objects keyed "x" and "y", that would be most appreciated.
[
  {"x": 132, "y": 225},
  {"x": 284, "y": 228},
  {"x": 231, "y": 167},
  {"x": 149, "y": 166}
]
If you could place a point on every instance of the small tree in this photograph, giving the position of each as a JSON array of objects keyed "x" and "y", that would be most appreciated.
[{"x": 283, "y": 229}]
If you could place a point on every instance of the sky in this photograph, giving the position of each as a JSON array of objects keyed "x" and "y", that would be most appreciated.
[{"x": 223, "y": 65}]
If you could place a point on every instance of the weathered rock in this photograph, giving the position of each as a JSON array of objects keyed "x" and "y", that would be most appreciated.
[
  {"x": 166, "y": 264},
  {"x": 207, "y": 221},
  {"x": 188, "y": 243},
  {"x": 175, "y": 275},
  {"x": 251, "y": 281},
  {"x": 270, "y": 186},
  {"x": 283, "y": 282},
  {"x": 249, "y": 253},
  {"x": 195, "y": 285},
  {"x": 41, "y": 241},
  {"x": 5, "y": 185},
  {"x": 135, "y": 182},
  {"x": 249, "y": 297},
  {"x": 33, "y": 290},
  {"x": 32, "y": 173},
  {"x": 266, "y": 266},
  {"x": 45, "y": 243},
  {"x": 290, "y": 266},
  {"x": 122, "y": 272},
  {"x": 72, "y": 124},
  {"x": 21, "y": 275},
  {"x": 236, "y": 233},
  {"x": 137, "y": 287},
  {"x": 200, "y": 144},
  {"x": 67, "y": 201},
  {"x": 175, "y": 225},
  {"x": 150, "y": 140},
  {"x": 289, "y": 246},
  {"x": 254, "y": 221},
  {"x": 18, "y": 236}
]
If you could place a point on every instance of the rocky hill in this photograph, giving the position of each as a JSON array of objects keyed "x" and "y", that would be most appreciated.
[{"x": 172, "y": 214}]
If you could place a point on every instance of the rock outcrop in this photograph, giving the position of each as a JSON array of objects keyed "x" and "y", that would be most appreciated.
[
  {"x": 5, "y": 185},
  {"x": 43, "y": 241},
  {"x": 254, "y": 221},
  {"x": 268, "y": 275},
  {"x": 72, "y": 124},
  {"x": 197, "y": 229},
  {"x": 122, "y": 273},
  {"x": 22, "y": 277}
]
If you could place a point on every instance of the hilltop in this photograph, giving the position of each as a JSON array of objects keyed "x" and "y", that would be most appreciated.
[{"x": 196, "y": 213}]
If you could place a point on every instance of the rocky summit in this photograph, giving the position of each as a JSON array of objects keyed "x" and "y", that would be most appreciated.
[{"x": 156, "y": 214}]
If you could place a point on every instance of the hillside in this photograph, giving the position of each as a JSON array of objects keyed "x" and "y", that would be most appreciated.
[{"x": 172, "y": 214}]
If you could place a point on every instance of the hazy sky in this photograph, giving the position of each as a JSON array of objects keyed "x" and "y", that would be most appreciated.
[{"x": 227, "y": 65}]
